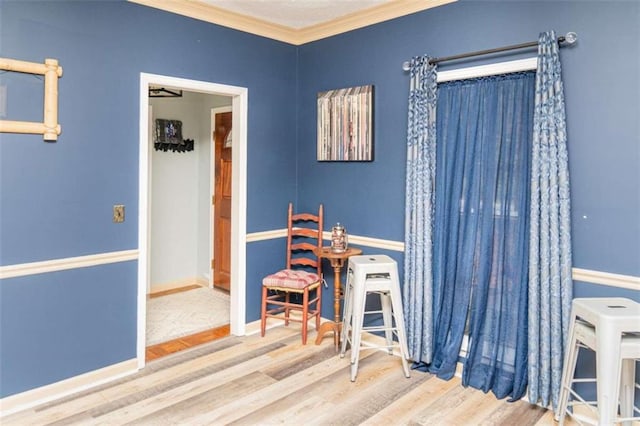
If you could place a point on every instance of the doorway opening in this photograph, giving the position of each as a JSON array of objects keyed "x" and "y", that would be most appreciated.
[{"x": 237, "y": 136}]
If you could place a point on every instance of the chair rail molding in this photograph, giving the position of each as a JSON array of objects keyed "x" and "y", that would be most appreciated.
[
  {"x": 628, "y": 282},
  {"x": 41, "y": 267},
  {"x": 266, "y": 235}
]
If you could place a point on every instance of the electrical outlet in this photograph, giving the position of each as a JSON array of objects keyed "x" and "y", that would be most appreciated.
[{"x": 118, "y": 213}]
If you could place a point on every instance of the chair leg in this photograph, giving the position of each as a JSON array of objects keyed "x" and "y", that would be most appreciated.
[
  {"x": 286, "y": 308},
  {"x": 318, "y": 306},
  {"x": 263, "y": 309},
  {"x": 305, "y": 314}
]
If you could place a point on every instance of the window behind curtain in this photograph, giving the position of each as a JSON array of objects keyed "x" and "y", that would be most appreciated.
[{"x": 484, "y": 133}]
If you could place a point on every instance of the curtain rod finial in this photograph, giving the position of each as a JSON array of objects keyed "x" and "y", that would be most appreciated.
[{"x": 571, "y": 37}]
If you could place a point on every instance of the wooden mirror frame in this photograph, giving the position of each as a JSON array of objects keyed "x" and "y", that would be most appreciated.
[{"x": 49, "y": 128}]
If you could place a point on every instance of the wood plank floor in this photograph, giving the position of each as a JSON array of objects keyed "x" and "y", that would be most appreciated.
[
  {"x": 154, "y": 352},
  {"x": 276, "y": 380}
]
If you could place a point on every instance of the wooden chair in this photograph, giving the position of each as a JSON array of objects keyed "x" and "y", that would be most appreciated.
[{"x": 304, "y": 234}]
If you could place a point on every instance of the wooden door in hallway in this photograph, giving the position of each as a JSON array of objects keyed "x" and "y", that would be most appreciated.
[{"x": 222, "y": 202}]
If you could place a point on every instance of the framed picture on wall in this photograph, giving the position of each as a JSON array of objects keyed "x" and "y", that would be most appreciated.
[
  {"x": 168, "y": 131},
  {"x": 168, "y": 137},
  {"x": 345, "y": 124}
]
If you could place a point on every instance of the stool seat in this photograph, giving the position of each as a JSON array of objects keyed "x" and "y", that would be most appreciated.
[
  {"x": 629, "y": 344},
  {"x": 373, "y": 274},
  {"x": 607, "y": 326},
  {"x": 625, "y": 313}
]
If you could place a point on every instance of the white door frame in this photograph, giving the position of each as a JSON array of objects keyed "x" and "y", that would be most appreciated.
[{"x": 239, "y": 97}]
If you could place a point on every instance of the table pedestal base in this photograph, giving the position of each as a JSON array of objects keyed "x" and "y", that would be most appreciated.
[{"x": 330, "y": 326}]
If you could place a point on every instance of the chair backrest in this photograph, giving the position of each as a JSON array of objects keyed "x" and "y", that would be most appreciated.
[{"x": 304, "y": 234}]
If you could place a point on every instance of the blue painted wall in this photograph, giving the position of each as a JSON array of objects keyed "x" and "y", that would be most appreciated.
[
  {"x": 62, "y": 324},
  {"x": 602, "y": 92},
  {"x": 56, "y": 198}
]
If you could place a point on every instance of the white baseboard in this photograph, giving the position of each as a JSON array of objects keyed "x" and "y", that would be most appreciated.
[
  {"x": 254, "y": 327},
  {"x": 183, "y": 282},
  {"x": 43, "y": 394}
]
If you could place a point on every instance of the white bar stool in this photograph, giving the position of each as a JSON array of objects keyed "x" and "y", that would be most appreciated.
[
  {"x": 373, "y": 274},
  {"x": 603, "y": 325}
]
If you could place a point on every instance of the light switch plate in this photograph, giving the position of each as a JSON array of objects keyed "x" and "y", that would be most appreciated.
[{"x": 118, "y": 213}]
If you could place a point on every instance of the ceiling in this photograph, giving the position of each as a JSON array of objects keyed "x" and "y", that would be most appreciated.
[
  {"x": 296, "y": 14},
  {"x": 294, "y": 21}
]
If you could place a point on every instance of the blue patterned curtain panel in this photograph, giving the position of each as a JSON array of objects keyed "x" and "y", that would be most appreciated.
[
  {"x": 419, "y": 207},
  {"x": 550, "y": 280}
]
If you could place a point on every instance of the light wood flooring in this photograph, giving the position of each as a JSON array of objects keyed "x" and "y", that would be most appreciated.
[
  {"x": 276, "y": 380},
  {"x": 172, "y": 346}
]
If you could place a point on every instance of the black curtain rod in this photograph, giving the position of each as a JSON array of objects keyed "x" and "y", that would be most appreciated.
[{"x": 569, "y": 38}]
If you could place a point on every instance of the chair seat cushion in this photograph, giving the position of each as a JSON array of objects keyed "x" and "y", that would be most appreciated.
[{"x": 290, "y": 278}]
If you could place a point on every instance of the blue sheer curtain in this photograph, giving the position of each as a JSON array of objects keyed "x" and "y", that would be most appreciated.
[
  {"x": 421, "y": 162},
  {"x": 480, "y": 259},
  {"x": 550, "y": 281}
]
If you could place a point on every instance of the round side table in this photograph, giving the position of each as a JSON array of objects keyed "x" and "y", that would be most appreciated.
[{"x": 337, "y": 261}]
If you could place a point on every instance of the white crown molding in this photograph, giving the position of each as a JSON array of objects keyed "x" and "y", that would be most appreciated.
[
  {"x": 363, "y": 18},
  {"x": 32, "y": 268},
  {"x": 205, "y": 12},
  {"x": 216, "y": 15}
]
